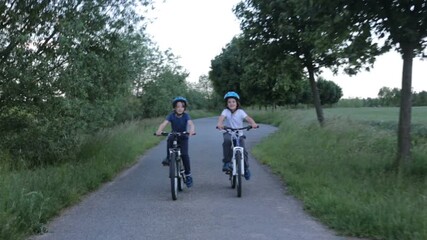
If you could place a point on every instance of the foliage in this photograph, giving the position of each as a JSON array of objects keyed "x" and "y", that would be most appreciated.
[
  {"x": 419, "y": 99},
  {"x": 264, "y": 83},
  {"x": 68, "y": 69},
  {"x": 76, "y": 63},
  {"x": 389, "y": 97},
  {"x": 304, "y": 34},
  {"x": 329, "y": 92},
  {"x": 227, "y": 70},
  {"x": 157, "y": 96}
]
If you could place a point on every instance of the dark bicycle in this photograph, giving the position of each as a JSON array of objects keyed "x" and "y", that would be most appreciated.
[
  {"x": 176, "y": 166},
  {"x": 238, "y": 158}
]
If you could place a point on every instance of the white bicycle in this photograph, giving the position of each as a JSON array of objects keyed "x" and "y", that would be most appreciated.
[{"x": 238, "y": 158}]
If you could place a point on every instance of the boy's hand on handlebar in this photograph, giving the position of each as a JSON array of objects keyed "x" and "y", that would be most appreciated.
[
  {"x": 158, "y": 133},
  {"x": 191, "y": 133},
  {"x": 220, "y": 126},
  {"x": 254, "y": 125}
]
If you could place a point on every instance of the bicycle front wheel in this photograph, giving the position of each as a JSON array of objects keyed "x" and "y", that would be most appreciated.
[
  {"x": 180, "y": 176},
  {"x": 232, "y": 180},
  {"x": 173, "y": 175},
  {"x": 239, "y": 162}
]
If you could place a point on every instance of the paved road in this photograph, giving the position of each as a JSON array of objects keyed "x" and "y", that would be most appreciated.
[{"x": 138, "y": 204}]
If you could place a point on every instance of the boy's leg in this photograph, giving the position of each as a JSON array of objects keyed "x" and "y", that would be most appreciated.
[
  {"x": 227, "y": 152},
  {"x": 242, "y": 144},
  {"x": 183, "y": 143},
  {"x": 246, "y": 156},
  {"x": 165, "y": 161}
]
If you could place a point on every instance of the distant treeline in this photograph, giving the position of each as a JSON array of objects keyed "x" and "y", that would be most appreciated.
[{"x": 387, "y": 97}]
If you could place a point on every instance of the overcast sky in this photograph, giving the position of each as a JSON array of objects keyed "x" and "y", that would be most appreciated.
[{"x": 197, "y": 30}]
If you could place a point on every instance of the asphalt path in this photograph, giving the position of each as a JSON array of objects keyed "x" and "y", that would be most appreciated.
[{"x": 137, "y": 204}]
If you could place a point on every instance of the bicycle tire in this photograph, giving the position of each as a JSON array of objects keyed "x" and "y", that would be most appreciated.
[
  {"x": 233, "y": 180},
  {"x": 239, "y": 163},
  {"x": 180, "y": 179},
  {"x": 173, "y": 175}
]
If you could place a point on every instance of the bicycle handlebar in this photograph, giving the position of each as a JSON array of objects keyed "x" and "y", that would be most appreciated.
[
  {"x": 237, "y": 129},
  {"x": 185, "y": 133}
]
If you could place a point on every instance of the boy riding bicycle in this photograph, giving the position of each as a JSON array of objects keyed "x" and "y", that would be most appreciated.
[
  {"x": 179, "y": 120},
  {"x": 233, "y": 117}
]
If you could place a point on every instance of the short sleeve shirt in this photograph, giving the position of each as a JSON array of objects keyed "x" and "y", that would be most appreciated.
[
  {"x": 234, "y": 120},
  {"x": 179, "y": 124}
]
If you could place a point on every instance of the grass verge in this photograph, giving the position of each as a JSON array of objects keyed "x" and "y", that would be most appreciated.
[{"x": 342, "y": 173}]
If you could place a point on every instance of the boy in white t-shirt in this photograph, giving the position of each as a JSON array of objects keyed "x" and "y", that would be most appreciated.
[{"x": 233, "y": 117}]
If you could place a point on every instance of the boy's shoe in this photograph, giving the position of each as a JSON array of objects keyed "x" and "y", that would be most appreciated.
[
  {"x": 226, "y": 167},
  {"x": 189, "y": 181},
  {"x": 247, "y": 174},
  {"x": 165, "y": 162}
]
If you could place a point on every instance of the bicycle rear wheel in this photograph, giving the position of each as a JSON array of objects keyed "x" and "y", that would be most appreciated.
[
  {"x": 173, "y": 175},
  {"x": 239, "y": 163}
]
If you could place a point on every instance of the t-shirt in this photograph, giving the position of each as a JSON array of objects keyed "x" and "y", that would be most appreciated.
[
  {"x": 234, "y": 120},
  {"x": 179, "y": 124}
]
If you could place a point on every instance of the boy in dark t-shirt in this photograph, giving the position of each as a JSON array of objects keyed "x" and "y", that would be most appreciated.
[{"x": 179, "y": 120}]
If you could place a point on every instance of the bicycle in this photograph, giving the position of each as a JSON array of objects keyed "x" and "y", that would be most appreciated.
[
  {"x": 237, "y": 159},
  {"x": 176, "y": 166}
]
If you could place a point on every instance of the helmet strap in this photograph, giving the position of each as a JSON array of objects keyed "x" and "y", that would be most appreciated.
[
  {"x": 179, "y": 115},
  {"x": 232, "y": 110}
]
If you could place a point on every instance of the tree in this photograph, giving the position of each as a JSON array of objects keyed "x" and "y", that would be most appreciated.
[
  {"x": 301, "y": 32},
  {"x": 402, "y": 26},
  {"x": 329, "y": 91},
  {"x": 65, "y": 66},
  {"x": 227, "y": 69},
  {"x": 420, "y": 99}
]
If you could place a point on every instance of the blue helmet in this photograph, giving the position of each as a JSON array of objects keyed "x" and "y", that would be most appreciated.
[
  {"x": 179, "y": 99},
  {"x": 231, "y": 95}
]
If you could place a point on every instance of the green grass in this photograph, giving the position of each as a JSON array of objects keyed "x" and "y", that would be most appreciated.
[
  {"x": 390, "y": 114},
  {"x": 29, "y": 198},
  {"x": 342, "y": 172}
]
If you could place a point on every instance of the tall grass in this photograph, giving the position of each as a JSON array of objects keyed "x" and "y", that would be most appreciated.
[
  {"x": 342, "y": 173},
  {"x": 29, "y": 198}
]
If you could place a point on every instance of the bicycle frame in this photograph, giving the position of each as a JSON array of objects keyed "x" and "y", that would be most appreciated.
[
  {"x": 175, "y": 150},
  {"x": 237, "y": 159},
  {"x": 176, "y": 166},
  {"x": 237, "y": 149}
]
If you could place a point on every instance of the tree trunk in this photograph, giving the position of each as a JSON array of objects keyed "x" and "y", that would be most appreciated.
[
  {"x": 404, "y": 131},
  {"x": 316, "y": 96}
]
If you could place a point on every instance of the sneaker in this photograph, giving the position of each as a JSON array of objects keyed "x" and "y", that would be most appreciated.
[
  {"x": 189, "y": 181},
  {"x": 165, "y": 162},
  {"x": 226, "y": 167},
  {"x": 247, "y": 174}
]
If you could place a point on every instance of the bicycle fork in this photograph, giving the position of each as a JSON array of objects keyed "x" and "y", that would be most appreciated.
[
  {"x": 238, "y": 150},
  {"x": 179, "y": 165}
]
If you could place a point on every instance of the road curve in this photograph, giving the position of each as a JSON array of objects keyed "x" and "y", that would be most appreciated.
[{"x": 137, "y": 204}]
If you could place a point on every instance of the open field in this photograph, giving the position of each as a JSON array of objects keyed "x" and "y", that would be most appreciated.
[{"x": 389, "y": 114}]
